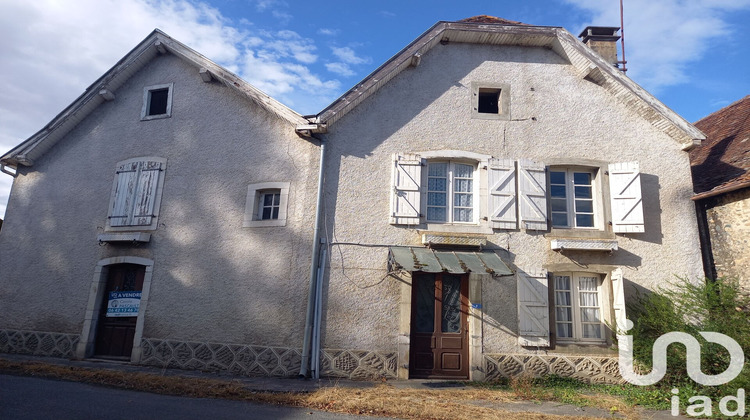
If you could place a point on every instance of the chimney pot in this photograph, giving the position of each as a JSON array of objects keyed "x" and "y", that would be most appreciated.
[{"x": 603, "y": 40}]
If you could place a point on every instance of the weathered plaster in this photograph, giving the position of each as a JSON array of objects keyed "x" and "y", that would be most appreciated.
[
  {"x": 556, "y": 117},
  {"x": 212, "y": 279},
  {"x": 729, "y": 229}
]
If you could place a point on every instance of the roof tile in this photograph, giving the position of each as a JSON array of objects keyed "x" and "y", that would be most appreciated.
[{"x": 722, "y": 162}]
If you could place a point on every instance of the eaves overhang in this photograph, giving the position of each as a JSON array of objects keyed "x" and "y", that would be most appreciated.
[
  {"x": 586, "y": 63},
  {"x": 105, "y": 88}
]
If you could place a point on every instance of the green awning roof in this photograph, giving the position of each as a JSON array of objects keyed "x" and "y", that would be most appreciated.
[{"x": 455, "y": 262}]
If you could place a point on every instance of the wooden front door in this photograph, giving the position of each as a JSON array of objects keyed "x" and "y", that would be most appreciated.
[
  {"x": 439, "y": 327},
  {"x": 119, "y": 311}
]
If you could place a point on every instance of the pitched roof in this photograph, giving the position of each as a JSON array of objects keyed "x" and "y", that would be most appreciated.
[
  {"x": 152, "y": 46},
  {"x": 497, "y": 31},
  {"x": 722, "y": 163}
]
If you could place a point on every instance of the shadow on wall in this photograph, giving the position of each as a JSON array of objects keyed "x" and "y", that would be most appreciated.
[{"x": 651, "y": 209}]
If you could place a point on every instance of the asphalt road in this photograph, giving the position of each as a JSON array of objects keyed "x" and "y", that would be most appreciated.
[{"x": 28, "y": 398}]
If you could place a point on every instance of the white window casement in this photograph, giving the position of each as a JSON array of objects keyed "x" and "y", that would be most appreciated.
[
  {"x": 266, "y": 204},
  {"x": 578, "y": 309},
  {"x": 463, "y": 188},
  {"x": 568, "y": 307},
  {"x": 157, "y": 102},
  {"x": 451, "y": 195},
  {"x": 574, "y": 198},
  {"x": 136, "y": 194}
]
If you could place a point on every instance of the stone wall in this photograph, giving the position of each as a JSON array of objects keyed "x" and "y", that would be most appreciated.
[{"x": 729, "y": 229}]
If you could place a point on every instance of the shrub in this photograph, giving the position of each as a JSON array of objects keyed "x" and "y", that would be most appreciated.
[{"x": 717, "y": 306}]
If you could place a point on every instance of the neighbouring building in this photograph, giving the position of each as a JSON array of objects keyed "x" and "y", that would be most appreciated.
[
  {"x": 483, "y": 204},
  {"x": 721, "y": 176}
]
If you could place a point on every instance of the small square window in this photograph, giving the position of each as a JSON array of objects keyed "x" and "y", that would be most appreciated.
[
  {"x": 157, "y": 102},
  {"x": 490, "y": 101},
  {"x": 266, "y": 204}
]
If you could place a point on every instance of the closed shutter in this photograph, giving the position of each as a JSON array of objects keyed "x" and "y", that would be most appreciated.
[
  {"x": 126, "y": 183},
  {"x": 145, "y": 196},
  {"x": 406, "y": 181},
  {"x": 533, "y": 308},
  {"x": 501, "y": 179},
  {"x": 532, "y": 195},
  {"x": 626, "y": 198},
  {"x": 618, "y": 300}
]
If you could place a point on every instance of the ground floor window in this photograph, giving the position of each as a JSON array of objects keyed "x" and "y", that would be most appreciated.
[{"x": 578, "y": 312}]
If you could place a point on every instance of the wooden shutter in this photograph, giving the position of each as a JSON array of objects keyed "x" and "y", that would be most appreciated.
[
  {"x": 145, "y": 195},
  {"x": 126, "y": 182},
  {"x": 618, "y": 299},
  {"x": 501, "y": 180},
  {"x": 533, "y": 308},
  {"x": 406, "y": 181},
  {"x": 626, "y": 198},
  {"x": 532, "y": 195}
]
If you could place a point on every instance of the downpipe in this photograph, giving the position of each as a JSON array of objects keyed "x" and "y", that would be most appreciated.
[
  {"x": 314, "y": 262},
  {"x": 318, "y": 315}
]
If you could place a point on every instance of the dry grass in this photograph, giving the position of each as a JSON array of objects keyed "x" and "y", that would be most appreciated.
[{"x": 380, "y": 400}]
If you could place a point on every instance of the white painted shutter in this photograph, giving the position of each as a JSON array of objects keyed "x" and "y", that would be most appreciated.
[
  {"x": 501, "y": 180},
  {"x": 533, "y": 308},
  {"x": 626, "y": 198},
  {"x": 532, "y": 195},
  {"x": 126, "y": 183},
  {"x": 406, "y": 181},
  {"x": 145, "y": 195},
  {"x": 618, "y": 300}
]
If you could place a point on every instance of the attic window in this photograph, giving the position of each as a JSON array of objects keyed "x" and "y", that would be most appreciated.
[
  {"x": 157, "y": 102},
  {"x": 490, "y": 101}
]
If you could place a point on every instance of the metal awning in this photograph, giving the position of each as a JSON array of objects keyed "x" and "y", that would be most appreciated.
[{"x": 455, "y": 262}]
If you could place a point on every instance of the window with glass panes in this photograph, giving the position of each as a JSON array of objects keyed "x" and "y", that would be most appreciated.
[
  {"x": 450, "y": 192},
  {"x": 578, "y": 307},
  {"x": 268, "y": 205},
  {"x": 572, "y": 198}
]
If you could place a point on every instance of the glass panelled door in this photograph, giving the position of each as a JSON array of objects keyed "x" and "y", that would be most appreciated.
[{"x": 439, "y": 328}]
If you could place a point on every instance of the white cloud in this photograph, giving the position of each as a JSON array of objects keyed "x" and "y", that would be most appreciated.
[
  {"x": 340, "y": 68},
  {"x": 347, "y": 55},
  {"x": 662, "y": 38},
  {"x": 56, "y": 49},
  {"x": 328, "y": 32}
]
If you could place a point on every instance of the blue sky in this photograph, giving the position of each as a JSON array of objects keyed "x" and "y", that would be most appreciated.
[{"x": 691, "y": 54}]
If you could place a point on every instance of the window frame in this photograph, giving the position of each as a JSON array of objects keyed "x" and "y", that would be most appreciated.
[
  {"x": 450, "y": 191},
  {"x": 145, "y": 109},
  {"x": 597, "y": 197},
  {"x": 503, "y": 101},
  {"x": 576, "y": 316},
  {"x": 253, "y": 216}
]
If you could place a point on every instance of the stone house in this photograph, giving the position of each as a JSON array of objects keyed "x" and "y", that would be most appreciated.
[
  {"x": 173, "y": 190},
  {"x": 486, "y": 202},
  {"x": 721, "y": 177}
]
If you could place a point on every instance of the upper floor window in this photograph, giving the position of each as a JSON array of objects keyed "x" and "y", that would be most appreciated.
[
  {"x": 490, "y": 101},
  {"x": 136, "y": 194},
  {"x": 450, "y": 192},
  {"x": 157, "y": 101},
  {"x": 572, "y": 198},
  {"x": 266, "y": 204}
]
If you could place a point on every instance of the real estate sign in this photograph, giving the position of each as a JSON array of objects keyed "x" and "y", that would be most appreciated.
[{"x": 123, "y": 304}]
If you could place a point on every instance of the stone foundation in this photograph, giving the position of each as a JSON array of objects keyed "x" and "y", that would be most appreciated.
[
  {"x": 592, "y": 369},
  {"x": 264, "y": 361},
  {"x": 38, "y": 343}
]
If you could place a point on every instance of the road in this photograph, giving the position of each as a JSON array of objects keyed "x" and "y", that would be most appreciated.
[{"x": 28, "y": 398}]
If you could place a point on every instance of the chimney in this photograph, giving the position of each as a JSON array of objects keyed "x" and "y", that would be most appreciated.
[{"x": 603, "y": 40}]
